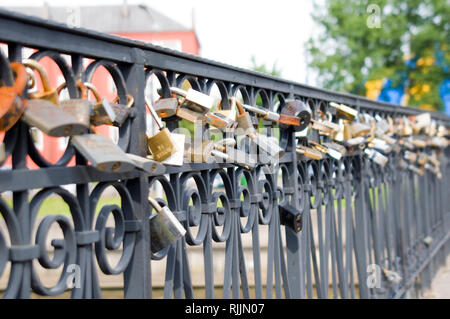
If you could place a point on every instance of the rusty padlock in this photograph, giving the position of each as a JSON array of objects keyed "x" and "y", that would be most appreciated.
[
  {"x": 79, "y": 108},
  {"x": 11, "y": 105}
]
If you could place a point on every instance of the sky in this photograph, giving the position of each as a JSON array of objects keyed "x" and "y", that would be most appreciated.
[{"x": 233, "y": 31}]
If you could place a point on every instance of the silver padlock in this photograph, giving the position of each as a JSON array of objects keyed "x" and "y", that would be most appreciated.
[
  {"x": 194, "y": 100},
  {"x": 147, "y": 165},
  {"x": 103, "y": 154},
  {"x": 236, "y": 156},
  {"x": 53, "y": 120},
  {"x": 375, "y": 156},
  {"x": 165, "y": 228}
]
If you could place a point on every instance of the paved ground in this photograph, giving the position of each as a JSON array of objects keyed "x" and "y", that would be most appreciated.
[{"x": 440, "y": 287}]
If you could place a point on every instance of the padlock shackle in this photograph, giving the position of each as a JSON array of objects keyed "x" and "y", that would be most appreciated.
[
  {"x": 35, "y": 65},
  {"x": 83, "y": 89},
  {"x": 254, "y": 109},
  {"x": 178, "y": 91},
  {"x": 155, "y": 204},
  {"x": 153, "y": 114},
  {"x": 130, "y": 100},
  {"x": 94, "y": 91},
  {"x": 240, "y": 107}
]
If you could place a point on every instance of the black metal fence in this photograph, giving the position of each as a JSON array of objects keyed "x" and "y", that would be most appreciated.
[{"x": 359, "y": 220}]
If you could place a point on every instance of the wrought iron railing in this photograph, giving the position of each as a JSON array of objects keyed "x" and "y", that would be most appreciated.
[{"x": 357, "y": 216}]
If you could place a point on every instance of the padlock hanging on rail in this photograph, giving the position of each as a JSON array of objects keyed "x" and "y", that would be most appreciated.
[{"x": 11, "y": 104}]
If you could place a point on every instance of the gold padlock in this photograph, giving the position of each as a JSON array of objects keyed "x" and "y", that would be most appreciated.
[{"x": 309, "y": 152}]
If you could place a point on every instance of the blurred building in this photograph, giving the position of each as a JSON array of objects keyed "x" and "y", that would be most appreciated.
[{"x": 137, "y": 22}]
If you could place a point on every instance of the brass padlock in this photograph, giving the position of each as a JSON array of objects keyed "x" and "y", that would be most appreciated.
[
  {"x": 325, "y": 126},
  {"x": 147, "y": 165},
  {"x": 165, "y": 228},
  {"x": 358, "y": 129},
  {"x": 410, "y": 156},
  {"x": 177, "y": 158},
  {"x": 204, "y": 152},
  {"x": 344, "y": 111},
  {"x": 160, "y": 145},
  {"x": 48, "y": 93},
  {"x": 194, "y": 100},
  {"x": 11, "y": 104},
  {"x": 335, "y": 146},
  {"x": 103, "y": 154},
  {"x": 309, "y": 152},
  {"x": 380, "y": 145}
]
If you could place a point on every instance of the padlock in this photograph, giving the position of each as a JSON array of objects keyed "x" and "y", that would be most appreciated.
[
  {"x": 48, "y": 93},
  {"x": 380, "y": 145},
  {"x": 376, "y": 156},
  {"x": 78, "y": 108},
  {"x": 103, "y": 154},
  {"x": 290, "y": 216},
  {"x": 333, "y": 153},
  {"x": 204, "y": 152},
  {"x": 11, "y": 104},
  {"x": 191, "y": 115},
  {"x": 165, "y": 228},
  {"x": 236, "y": 156},
  {"x": 160, "y": 145},
  {"x": 108, "y": 113},
  {"x": 194, "y": 100},
  {"x": 422, "y": 158},
  {"x": 415, "y": 169},
  {"x": 230, "y": 113},
  {"x": 220, "y": 121},
  {"x": 339, "y": 136},
  {"x": 439, "y": 142},
  {"x": 2, "y": 152},
  {"x": 335, "y": 146},
  {"x": 405, "y": 127},
  {"x": 52, "y": 119},
  {"x": 420, "y": 122},
  {"x": 410, "y": 156},
  {"x": 325, "y": 127},
  {"x": 177, "y": 158},
  {"x": 295, "y": 109},
  {"x": 245, "y": 123},
  {"x": 309, "y": 152},
  {"x": 166, "y": 107},
  {"x": 344, "y": 111},
  {"x": 417, "y": 142},
  {"x": 358, "y": 129},
  {"x": 146, "y": 165}
]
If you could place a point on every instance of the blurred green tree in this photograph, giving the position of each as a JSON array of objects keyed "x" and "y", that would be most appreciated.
[{"x": 364, "y": 40}]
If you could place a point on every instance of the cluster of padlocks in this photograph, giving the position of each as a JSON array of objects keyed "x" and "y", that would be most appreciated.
[{"x": 345, "y": 130}]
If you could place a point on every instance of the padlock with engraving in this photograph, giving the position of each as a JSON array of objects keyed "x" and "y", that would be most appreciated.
[
  {"x": 236, "y": 156},
  {"x": 48, "y": 93},
  {"x": 333, "y": 153},
  {"x": 290, "y": 216},
  {"x": 165, "y": 229},
  {"x": 11, "y": 104},
  {"x": 103, "y": 154},
  {"x": 160, "y": 145},
  {"x": 309, "y": 152},
  {"x": 177, "y": 158},
  {"x": 344, "y": 111},
  {"x": 376, "y": 156},
  {"x": 194, "y": 100},
  {"x": 78, "y": 108},
  {"x": 246, "y": 125},
  {"x": 220, "y": 121},
  {"x": 147, "y": 165}
]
